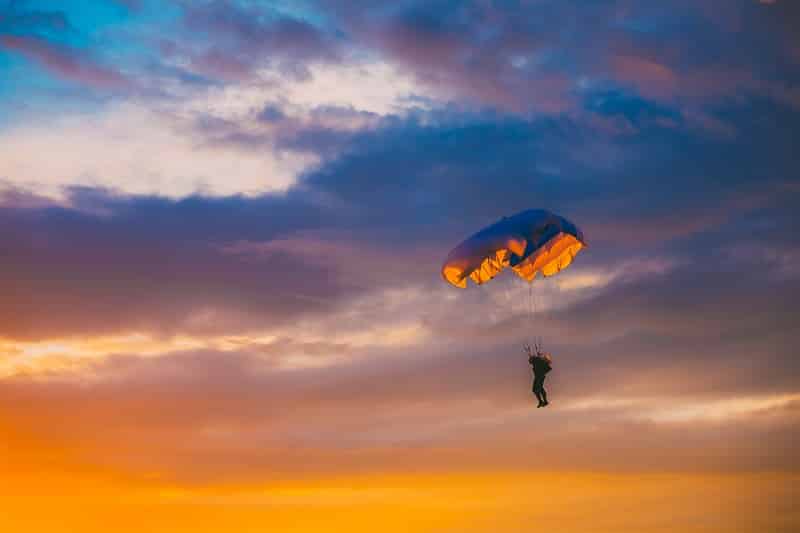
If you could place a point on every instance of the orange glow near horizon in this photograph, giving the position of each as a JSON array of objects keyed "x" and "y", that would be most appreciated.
[{"x": 497, "y": 501}]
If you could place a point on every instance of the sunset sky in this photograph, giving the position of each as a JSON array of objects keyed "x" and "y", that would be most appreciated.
[{"x": 221, "y": 230}]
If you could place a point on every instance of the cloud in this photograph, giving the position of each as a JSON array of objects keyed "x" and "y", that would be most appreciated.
[
  {"x": 239, "y": 40},
  {"x": 542, "y": 57},
  {"x": 137, "y": 150},
  {"x": 122, "y": 282},
  {"x": 360, "y": 221},
  {"x": 208, "y": 140},
  {"x": 638, "y": 340},
  {"x": 67, "y": 64},
  {"x": 245, "y": 419},
  {"x": 527, "y": 58},
  {"x": 237, "y": 277}
]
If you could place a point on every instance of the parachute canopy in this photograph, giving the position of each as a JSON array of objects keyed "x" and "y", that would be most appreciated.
[{"x": 529, "y": 242}]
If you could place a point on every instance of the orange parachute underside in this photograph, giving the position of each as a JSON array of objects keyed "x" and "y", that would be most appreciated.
[{"x": 529, "y": 242}]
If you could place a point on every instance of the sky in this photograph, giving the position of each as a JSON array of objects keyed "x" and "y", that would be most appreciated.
[{"x": 222, "y": 224}]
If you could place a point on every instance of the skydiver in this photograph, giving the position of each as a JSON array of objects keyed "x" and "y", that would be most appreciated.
[{"x": 541, "y": 364}]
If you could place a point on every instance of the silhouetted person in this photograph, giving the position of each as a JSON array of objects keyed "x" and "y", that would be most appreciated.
[{"x": 541, "y": 364}]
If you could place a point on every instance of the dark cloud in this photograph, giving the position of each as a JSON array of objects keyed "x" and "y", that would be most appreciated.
[
  {"x": 271, "y": 113},
  {"x": 666, "y": 192},
  {"x": 323, "y": 131},
  {"x": 541, "y": 57},
  {"x": 239, "y": 39},
  {"x": 149, "y": 263},
  {"x": 518, "y": 57}
]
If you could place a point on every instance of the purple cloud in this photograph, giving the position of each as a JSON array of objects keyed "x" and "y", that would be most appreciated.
[
  {"x": 66, "y": 64},
  {"x": 242, "y": 39}
]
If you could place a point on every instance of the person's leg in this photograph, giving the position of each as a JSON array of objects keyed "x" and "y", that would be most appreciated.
[
  {"x": 537, "y": 390},
  {"x": 543, "y": 392}
]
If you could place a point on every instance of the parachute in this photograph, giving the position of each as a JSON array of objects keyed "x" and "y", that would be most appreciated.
[{"x": 529, "y": 242}]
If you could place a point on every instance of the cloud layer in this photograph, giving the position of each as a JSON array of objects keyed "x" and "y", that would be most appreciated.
[{"x": 221, "y": 227}]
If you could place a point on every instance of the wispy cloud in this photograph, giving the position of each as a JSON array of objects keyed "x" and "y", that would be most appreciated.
[{"x": 67, "y": 64}]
